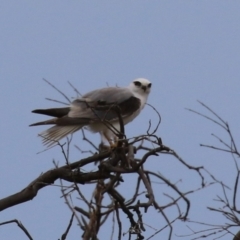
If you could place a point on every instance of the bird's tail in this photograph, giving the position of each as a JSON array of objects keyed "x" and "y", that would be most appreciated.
[{"x": 52, "y": 135}]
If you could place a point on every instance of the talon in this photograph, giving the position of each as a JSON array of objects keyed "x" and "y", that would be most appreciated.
[
  {"x": 113, "y": 145},
  {"x": 112, "y": 142}
]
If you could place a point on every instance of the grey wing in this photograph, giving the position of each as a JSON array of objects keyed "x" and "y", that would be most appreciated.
[{"x": 99, "y": 104}]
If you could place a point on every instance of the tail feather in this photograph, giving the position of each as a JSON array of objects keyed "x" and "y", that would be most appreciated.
[
  {"x": 64, "y": 125},
  {"x": 56, "y": 133}
]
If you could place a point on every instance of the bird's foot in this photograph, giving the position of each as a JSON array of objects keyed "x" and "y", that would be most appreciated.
[{"x": 113, "y": 145}]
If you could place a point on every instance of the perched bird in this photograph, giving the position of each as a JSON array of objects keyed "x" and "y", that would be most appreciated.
[{"x": 96, "y": 111}]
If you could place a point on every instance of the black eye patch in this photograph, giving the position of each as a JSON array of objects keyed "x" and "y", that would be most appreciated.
[
  {"x": 149, "y": 85},
  {"x": 137, "y": 83}
]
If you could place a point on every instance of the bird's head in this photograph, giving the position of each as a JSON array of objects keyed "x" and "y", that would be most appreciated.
[{"x": 141, "y": 86}]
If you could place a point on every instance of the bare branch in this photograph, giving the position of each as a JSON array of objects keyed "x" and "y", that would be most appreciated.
[
  {"x": 63, "y": 94},
  {"x": 20, "y": 225}
]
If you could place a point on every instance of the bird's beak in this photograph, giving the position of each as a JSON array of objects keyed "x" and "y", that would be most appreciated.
[{"x": 144, "y": 88}]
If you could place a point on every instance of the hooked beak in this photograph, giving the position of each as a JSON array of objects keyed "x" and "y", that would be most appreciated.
[{"x": 144, "y": 88}]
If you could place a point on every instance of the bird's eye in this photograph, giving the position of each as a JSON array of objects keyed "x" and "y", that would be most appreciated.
[
  {"x": 149, "y": 85},
  {"x": 137, "y": 83}
]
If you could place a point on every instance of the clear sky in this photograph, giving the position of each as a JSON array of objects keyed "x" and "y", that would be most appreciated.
[{"x": 190, "y": 50}]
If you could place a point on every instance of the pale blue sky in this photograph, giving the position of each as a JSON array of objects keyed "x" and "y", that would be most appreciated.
[{"x": 190, "y": 50}]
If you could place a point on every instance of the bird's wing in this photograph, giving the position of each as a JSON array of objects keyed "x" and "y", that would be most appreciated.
[
  {"x": 95, "y": 106},
  {"x": 53, "y": 112},
  {"x": 100, "y": 104}
]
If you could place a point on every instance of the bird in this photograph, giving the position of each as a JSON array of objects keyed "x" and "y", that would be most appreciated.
[{"x": 96, "y": 111}]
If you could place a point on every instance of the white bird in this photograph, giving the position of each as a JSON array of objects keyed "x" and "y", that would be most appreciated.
[{"x": 95, "y": 111}]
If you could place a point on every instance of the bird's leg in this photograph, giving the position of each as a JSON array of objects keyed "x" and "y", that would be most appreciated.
[
  {"x": 115, "y": 140},
  {"x": 112, "y": 143}
]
